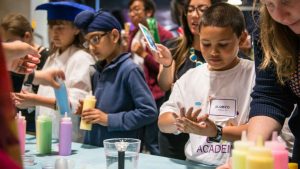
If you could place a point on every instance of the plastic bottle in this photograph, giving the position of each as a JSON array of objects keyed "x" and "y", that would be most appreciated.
[
  {"x": 21, "y": 131},
  {"x": 259, "y": 156},
  {"x": 89, "y": 102},
  {"x": 44, "y": 134},
  {"x": 240, "y": 152},
  {"x": 65, "y": 136},
  {"x": 293, "y": 165},
  {"x": 280, "y": 154},
  {"x": 62, "y": 99}
]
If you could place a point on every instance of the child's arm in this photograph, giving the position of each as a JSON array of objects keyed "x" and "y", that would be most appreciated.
[
  {"x": 205, "y": 127},
  {"x": 26, "y": 99},
  {"x": 171, "y": 110},
  {"x": 166, "y": 123},
  {"x": 48, "y": 77}
]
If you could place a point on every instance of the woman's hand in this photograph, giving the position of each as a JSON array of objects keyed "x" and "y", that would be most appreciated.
[
  {"x": 21, "y": 57},
  {"x": 163, "y": 56}
]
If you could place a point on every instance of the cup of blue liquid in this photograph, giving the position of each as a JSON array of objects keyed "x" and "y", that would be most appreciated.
[{"x": 122, "y": 153}]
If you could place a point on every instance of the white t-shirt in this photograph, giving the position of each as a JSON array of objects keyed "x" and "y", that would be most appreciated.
[
  {"x": 196, "y": 87},
  {"x": 75, "y": 63}
]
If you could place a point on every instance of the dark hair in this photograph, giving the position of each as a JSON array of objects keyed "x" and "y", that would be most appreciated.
[
  {"x": 186, "y": 41},
  {"x": 149, "y": 5},
  {"x": 177, "y": 9},
  {"x": 78, "y": 40},
  {"x": 16, "y": 24},
  {"x": 224, "y": 15}
]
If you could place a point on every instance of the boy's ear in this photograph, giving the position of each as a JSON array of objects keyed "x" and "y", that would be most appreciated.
[
  {"x": 27, "y": 37},
  {"x": 77, "y": 31},
  {"x": 243, "y": 38},
  {"x": 115, "y": 34}
]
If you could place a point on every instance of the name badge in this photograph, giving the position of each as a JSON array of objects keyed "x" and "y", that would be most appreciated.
[{"x": 223, "y": 107}]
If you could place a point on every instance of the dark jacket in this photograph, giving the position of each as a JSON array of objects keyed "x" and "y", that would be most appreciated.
[
  {"x": 274, "y": 100},
  {"x": 121, "y": 91}
]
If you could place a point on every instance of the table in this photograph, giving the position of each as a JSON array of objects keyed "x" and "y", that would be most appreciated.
[{"x": 91, "y": 157}]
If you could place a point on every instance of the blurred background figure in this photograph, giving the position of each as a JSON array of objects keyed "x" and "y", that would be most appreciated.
[
  {"x": 9, "y": 148},
  {"x": 67, "y": 54},
  {"x": 16, "y": 27},
  {"x": 139, "y": 12}
]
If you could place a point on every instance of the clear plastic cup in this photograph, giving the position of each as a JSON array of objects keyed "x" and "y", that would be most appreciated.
[{"x": 122, "y": 153}]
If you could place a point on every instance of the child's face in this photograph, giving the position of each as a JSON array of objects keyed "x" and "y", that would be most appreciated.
[
  {"x": 63, "y": 34},
  {"x": 99, "y": 44},
  {"x": 219, "y": 47}
]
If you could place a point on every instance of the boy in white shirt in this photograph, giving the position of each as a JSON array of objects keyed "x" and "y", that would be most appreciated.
[{"x": 212, "y": 101}]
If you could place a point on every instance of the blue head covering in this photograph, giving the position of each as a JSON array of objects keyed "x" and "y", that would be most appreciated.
[
  {"x": 89, "y": 21},
  {"x": 63, "y": 10}
]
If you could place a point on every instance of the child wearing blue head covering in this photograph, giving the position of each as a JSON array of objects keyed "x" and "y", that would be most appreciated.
[
  {"x": 68, "y": 55},
  {"x": 124, "y": 101}
]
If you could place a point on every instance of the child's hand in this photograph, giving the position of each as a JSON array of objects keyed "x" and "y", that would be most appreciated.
[
  {"x": 95, "y": 116},
  {"x": 25, "y": 99},
  {"x": 48, "y": 77},
  {"x": 191, "y": 122},
  {"x": 79, "y": 107}
]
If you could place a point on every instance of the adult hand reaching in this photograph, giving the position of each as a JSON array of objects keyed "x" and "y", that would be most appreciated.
[
  {"x": 21, "y": 57},
  {"x": 163, "y": 55}
]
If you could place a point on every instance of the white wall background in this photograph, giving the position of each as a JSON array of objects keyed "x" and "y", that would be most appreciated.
[{"x": 40, "y": 18}]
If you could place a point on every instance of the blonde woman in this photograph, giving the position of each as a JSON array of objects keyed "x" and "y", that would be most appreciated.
[{"x": 277, "y": 77}]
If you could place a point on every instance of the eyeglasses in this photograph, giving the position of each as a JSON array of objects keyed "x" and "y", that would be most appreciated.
[
  {"x": 94, "y": 40},
  {"x": 199, "y": 9},
  {"x": 135, "y": 10},
  {"x": 194, "y": 58}
]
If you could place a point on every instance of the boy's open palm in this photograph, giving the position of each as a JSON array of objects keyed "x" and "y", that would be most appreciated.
[{"x": 191, "y": 122}]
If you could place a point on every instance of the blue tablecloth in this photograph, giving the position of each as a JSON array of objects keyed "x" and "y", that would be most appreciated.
[{"x": 90, "y": 157}]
